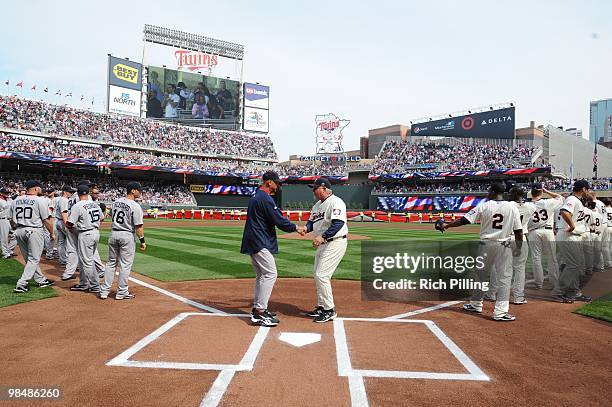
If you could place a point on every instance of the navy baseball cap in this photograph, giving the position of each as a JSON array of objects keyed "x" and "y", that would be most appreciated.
[
  {"x": 271, "y": 176},
  {"x": 68, "y": 188},
  {"x": 4, "y": 191},
  {"x": 498, "y": 187},
  {"x": 321, "y": 182},
  {"x": 32, "y": 184},
  {"x": 537, "y": 186},
  {"x": 133, "y": 185},
  {"x": 581, "y": 183},
  {"x": 83, "y": 189}
]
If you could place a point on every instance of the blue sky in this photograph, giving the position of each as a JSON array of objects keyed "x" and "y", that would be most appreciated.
[{"x": 374, "y": 63}]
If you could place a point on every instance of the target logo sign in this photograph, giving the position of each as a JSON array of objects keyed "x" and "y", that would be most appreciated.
[{"x": 467, "y": 123}]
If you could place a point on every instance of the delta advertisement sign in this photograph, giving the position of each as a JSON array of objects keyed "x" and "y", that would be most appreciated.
[
  {"x": 256, "y": 95},
  {"x": 489, "y": 124}
]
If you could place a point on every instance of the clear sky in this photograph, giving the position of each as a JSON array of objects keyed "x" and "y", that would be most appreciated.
[{"x": 374, "y": 63}]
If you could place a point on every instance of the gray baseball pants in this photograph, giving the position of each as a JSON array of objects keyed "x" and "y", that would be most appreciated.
[
  {"x": 31, "y": 242},
  {"x": 7, "y": 246},
  {"x": 86, "y": 248},
  {"x": 121, "y": 249},
  {"x": 265, "y": 277}
]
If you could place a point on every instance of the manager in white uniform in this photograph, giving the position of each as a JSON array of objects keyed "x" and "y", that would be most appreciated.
[{"x": 328, "y": 222}]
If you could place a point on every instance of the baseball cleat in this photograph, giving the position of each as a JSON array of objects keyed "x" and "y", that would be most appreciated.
[
  {"x": 127, "y": 296},
  {"x": 583, "y": 298},
  {"x": 79, "y": 287},
  {"x": 505, "y": 317},
  {"x": 103, "y": 295},
  {"x": 19, "y": 289},
  {"x": 315, "y": 312},
  {"x": 469, "y": 307},
  {"x": 93, "y": 290},
  {"x": 72, "y": 277},
  {"x": 263, "y": 318},
  {"x": 46, "y": 283},
  {"x": 563, "y": 299},
  {"x": 519, "y": 302},
  {"x": 325, "y": 315}
]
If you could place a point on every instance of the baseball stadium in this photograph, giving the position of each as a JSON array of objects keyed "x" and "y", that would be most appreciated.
[{"x": 168, "y": 241}]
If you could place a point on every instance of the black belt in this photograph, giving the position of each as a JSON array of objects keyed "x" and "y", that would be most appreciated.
[
  {"x": 335, "y": 238},
  {"x": 3, "y": 218},
  {"x": 121, "y": 230},
  {"x": 33, "y": 227},
  {"x": 86, "y": 230}
]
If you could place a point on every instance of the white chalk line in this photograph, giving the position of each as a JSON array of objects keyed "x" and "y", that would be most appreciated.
[{"x": 424, "y": 310}]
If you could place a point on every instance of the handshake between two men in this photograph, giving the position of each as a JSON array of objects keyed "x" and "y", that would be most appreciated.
[{"x": 316, "y": 241}]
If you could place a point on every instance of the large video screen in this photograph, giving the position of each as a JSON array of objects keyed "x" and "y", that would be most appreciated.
[
  {"x": 490, "y": 124},
  {"x": 194, "y": 88}
]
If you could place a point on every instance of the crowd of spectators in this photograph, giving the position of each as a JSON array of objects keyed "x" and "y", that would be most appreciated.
[
  {"x": 63, "y": 148},
  {"x": 153, "y": 193},
  {"x": 43, "y": 117},
  {"x": 600, "y": 184},
  {"x": 398, "y": 157}
]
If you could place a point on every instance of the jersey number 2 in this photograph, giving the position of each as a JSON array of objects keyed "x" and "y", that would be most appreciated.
[{"x": 498, "y": 220}]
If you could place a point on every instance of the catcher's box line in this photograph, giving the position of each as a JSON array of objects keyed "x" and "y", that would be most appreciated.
[{"x": 424, "y": 310}]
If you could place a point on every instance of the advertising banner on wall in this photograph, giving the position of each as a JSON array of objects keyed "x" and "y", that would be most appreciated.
[
  {"x": 489, "y": 124},
  {"x": 124, "y": 101},
  {"x": 256, "y": 95},
  {"x": 459, "y": 203},
  {"x": 255, "y": 120},
  {"x": 124, "y": 73}
]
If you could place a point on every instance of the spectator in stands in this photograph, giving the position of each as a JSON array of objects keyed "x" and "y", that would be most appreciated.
[
  {"x": 171, "y": 102},
  {"x": 154, "y": 84},
  {"x": 201, "y": 89},
  {"x": 184, "y": 95},
  {"x": 199, "y": 110},
  {"x": 154, "y": 108},
  {"x": 224, "y": 97},
  {"x": 214, "y": 110}
]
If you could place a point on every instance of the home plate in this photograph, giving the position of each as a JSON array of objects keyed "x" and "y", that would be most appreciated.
[{"x": 299, "y": 339}]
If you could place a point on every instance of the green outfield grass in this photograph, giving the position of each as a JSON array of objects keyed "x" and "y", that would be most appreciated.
[
  {"x": 200, "y": 252},
  {"x": 10, "y": 271},
  {"x": 601, "y": 308}
]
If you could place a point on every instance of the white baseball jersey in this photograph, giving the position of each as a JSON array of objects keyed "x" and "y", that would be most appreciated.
[
  {"x": 127, "y": 214},
  {"x": 601, "y": 208},
  {"x": 526, "y": 211},
  {"x": 609, "y": 215},
  {"x": 498, "y": 220},
  {"x": 597, "y": 222},
  {"x": 29, "y": 211},
  {"x": 544, "y": 215},
  {"x": 61, "y": 206},
  {"x": 324, "y": 212},
  {"x": 4, "y": 208},
  {"x": 573, "y": 206}
]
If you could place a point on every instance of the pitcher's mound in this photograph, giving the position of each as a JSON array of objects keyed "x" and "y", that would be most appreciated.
[{"x": 296, "y": 236}]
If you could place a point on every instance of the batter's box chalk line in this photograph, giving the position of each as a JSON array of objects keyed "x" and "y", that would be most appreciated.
[
  {"x": 345, "y": 367},
  {"x": 247, "y": 362}
]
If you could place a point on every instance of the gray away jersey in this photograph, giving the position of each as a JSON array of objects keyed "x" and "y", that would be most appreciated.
[
  {"x": 61, "y": 206},
  {"x": 127, "y": 214},
  {"x": 4, "y": 208},
  {"x": 29, "y": 210},
  {"x": 86, "y": 215}
]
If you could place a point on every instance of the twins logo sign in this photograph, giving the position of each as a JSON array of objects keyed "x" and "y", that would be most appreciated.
[{"x": 329, "y": 133}]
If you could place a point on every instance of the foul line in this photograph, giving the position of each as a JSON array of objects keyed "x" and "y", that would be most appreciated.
[
  {"x": 178, "y": 297},
  {"x": 424, "y": 310}
]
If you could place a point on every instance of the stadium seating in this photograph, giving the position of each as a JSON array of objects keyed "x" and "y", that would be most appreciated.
[
  {"x": 398, "y": 156},
  {"x": 66, "y": 121},
  {"x": 154, "y": 193}
]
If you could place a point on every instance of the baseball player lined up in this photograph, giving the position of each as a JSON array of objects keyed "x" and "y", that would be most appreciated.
[
  {"x": 127, "y": 220},
  {"x": 7, "y": 245},
  {"x": 259, "y": 241},
  {"x": 329, "y": 224},
  {"x": 85, "y": 217},
  {"x": 61, "y": 217},
  {"x": 28, "y": 214},
  {"x": 72, "y": 257},
  {"x": 499, "y": 220},
  {"x": 599, "y": 224},
  {"x": 570, "y": 240},
  {"x": 607, "y": 238},
  {"x": 541, "y": 236}
]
